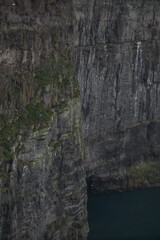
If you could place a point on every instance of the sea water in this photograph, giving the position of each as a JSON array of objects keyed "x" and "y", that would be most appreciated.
[{"x": 125, "y": 216}]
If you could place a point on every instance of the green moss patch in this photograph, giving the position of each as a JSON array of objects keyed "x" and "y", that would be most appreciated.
[
  {"x": 9, "y": 131},
  {"x": 3, "y": 175},
  {"x": 36, "y": 115},
  {"x": 42, "y": 78},
  {"x": 144, "y": 174},
  {"x": 61, "y": 106},
  {"x": 33, "y": 116},
  {"x": 55, "y": 225},
  {"x": 57, "y": 145}
]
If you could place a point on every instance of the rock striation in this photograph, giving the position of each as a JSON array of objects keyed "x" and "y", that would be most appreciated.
[
  {"x": 118, "y": 64},
  {"x": 42, "y": 175},
  {"x": 79, "y": 102}
]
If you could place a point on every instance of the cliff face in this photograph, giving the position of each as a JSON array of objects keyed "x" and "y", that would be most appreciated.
[
  {"x": 42, "y": 178},
  {"x": 118, "y": 67},
  {"x": 111, "y": 48}
]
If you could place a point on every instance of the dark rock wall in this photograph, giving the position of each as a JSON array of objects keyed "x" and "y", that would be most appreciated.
[
  {"x": 42, "y": 176},
  {"x": 113, "y": 49},
  {"x": 118, "y": 67}
]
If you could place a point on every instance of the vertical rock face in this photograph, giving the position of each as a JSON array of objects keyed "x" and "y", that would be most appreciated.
[
  {"x": 118, "y": 64},
  {"x": 113, "y": 48},
  {"x": 42, "y": 177}
]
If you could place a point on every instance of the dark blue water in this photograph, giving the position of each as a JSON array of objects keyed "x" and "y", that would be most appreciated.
[{"x": 125, "y": 216}]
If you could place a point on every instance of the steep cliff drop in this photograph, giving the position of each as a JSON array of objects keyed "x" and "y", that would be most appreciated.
[
  {"x": 42, "y": 176},
  {"x": 118, "y": 67},
  {"x": 47, "y": 47}
]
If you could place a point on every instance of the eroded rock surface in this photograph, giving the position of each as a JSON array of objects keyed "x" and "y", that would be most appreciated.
[
  {"x": 118, "y": 64},
  {"x": 112, "y": 47},
  {"x": 42, "y": 176}
]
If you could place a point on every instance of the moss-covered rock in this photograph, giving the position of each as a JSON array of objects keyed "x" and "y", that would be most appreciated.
[{"x": 144, "y": 174}]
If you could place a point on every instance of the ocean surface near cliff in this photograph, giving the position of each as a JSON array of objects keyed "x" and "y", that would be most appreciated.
[{"x": 125, "y": 216}]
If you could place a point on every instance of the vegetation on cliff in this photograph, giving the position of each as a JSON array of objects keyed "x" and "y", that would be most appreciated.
[{"x": 144, "y": 174}]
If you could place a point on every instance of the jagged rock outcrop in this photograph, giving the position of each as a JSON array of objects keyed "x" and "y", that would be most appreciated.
[
  {"x": 118, "y": 64},
  {"x": 42, "y": 176}
]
